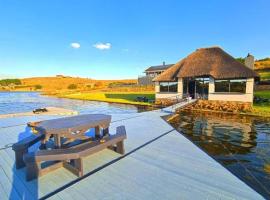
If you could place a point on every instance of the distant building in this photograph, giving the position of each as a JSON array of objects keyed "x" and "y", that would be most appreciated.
[
  {"x": 60, "y": 76},
  {"x": 152, "y": 72}
]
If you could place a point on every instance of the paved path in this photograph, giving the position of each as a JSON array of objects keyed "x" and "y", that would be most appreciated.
[{"x": 160, "y": 164}]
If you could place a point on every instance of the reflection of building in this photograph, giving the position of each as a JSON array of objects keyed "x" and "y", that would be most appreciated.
[
  {"x": 219, "y": 134},
  {"x": 152, "y": 72},
  {"x": 208, "y": 73}
]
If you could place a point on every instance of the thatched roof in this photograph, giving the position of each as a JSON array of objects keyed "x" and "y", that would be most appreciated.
[{"x": 211, "y": 61}]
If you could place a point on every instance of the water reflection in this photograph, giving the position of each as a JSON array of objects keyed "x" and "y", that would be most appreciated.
[{"x": 239, "y": 143}]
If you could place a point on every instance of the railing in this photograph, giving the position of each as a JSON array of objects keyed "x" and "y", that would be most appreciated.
[{"x": 179, "y": 99}]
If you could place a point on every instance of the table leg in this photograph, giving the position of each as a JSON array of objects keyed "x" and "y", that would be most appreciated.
[
  {"x": 105, "y": 131},
  {"x": 97, "y": 132},
  {"x": 57, "y": 140}
]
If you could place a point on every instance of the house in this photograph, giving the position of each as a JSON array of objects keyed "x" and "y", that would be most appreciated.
[
  {"x": 152, "y": 72},
  {"x": 208, "y": 73}
]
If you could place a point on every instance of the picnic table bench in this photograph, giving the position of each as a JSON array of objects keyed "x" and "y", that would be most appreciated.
[{"x": 64, "y": 131}]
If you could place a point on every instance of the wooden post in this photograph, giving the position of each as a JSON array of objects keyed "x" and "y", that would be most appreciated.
[
  {"x": 120, "y": 147},
  {"x": 57, "y": 140},
  {"x": 19, "y": 158},
  {"x": 78, "y": 164},
  {"x": 74, "y": 166},
  {"x": 105, "y": 131},
  {"x": 32, "y": 170}
]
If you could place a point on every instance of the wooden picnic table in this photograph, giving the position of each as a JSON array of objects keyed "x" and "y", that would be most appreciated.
[
  {"x": 65, "y": 153},
  {"x": 72, "y": 128}
]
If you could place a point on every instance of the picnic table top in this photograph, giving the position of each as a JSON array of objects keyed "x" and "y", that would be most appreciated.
[{"x": 74, "y": 123}]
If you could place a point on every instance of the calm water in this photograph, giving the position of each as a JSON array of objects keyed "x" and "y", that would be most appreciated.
[
  {"x": 15, "y": 102},
  {"x": 239, "y": 143}
]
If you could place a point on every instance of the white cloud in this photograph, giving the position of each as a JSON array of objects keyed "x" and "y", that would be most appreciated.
[
  {"x": 75, "y": 45},
  {"x": 102, "y": 46}
]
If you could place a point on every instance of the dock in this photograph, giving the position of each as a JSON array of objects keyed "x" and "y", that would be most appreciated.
[{"x": 160, "y": 163}]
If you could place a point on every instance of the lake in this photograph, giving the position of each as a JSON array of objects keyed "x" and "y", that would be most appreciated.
[
  {"x": 240, "y": 143},
  {"x": 15, "y": 102}
]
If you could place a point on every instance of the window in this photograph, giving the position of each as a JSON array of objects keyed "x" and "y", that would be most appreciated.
[
  {"x": 163, "y": 87},
  {"x": 168, "y": 86},
  {"x": 202, "y": 85},
  {"x": 222, "y": 86},
  {"x": 236, "y": 85}
]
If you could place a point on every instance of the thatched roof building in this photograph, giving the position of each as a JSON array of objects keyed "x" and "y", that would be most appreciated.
[{"x": 211, "y": 61}]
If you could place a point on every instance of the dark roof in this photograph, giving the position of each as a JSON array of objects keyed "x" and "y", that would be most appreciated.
[
  {"x": 158, "y": 67},
  {"x": 211, "y": 61}
]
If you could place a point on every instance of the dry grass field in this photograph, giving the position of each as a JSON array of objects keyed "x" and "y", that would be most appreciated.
[
  {"x": 263, "y": 68},
  {"x": 64, "y": 83},
  {"x": 117, "y": 91},
  {"x": 262, "y": 64}
]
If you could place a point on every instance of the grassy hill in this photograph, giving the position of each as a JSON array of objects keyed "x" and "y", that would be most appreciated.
[
  {"x": 64, "y": 83},
  {"x": 263, "y": 64},
  {"x": 263, "y": 68}
]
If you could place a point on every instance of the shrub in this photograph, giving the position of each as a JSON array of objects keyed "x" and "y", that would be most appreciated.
[
  {"x": 98, "y": 84},
  {"x": 6, "y": 82},
  {"x": 241, "y": 60},
  {"x": 72, "y": 87},
  {"x": 38, "y": 87}
]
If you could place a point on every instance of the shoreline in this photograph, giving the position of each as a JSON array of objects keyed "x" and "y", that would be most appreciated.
[
  {"x": 125, "y": 103},
  {"x": 98, "y": 97}
]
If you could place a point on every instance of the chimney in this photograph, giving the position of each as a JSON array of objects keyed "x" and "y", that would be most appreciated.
[
  {"x": 249, "y": 61},
  {"x": 163, "y": 63}
]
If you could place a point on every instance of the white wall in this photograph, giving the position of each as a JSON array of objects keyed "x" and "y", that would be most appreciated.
[
  {"x": 247, "y": 97},
  {"x": 161, "y": 95}
]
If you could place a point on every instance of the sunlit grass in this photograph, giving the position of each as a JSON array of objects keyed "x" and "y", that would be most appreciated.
[
  {"x": 113, "y": 97},
  {"x": 263, "y": 94},
  {"x": 262, "y": 108},
  {"x": 265, "y": 75}
]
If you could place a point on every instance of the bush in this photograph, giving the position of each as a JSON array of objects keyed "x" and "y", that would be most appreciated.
[
  {"x": 120, "y": 84},
  {"x": 241, "y": 60},
  {"x": 72, "y": 87},
  {"x": 98, "y": 84},
  {"x": 38, "y": 87},
  {"x": 7, "y": 82}
]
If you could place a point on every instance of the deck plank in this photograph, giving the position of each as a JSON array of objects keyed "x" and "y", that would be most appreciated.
[
  {"x": 5, "y": 186},
  {"x": 170, "y": 167}
]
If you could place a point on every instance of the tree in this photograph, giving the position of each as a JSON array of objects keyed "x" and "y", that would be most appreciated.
[
  {"x": 38, "y": 87},
  {"x": 72, "y": 87},
  {"x": 7, "y": 82},
  {"x": 241, "y": 60}
]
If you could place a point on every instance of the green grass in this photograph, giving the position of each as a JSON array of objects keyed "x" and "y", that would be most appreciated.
[
  {"x": 263, "y": 94},
  {"x": 113, "y": 97},
  {"x": 265, "y": 75},
  {"x": 262, "y": 109}
]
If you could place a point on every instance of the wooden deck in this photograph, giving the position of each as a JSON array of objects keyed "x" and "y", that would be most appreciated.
[{"x": 160, "y": 164}]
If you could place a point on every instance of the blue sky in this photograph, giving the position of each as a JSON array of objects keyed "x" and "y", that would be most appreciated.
[{"x": 36, "y": 36}]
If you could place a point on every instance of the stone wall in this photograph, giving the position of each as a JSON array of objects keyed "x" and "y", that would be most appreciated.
[
  {"x": 164, "y": 102},
  {"x": 223, "y": 106},
  {"x": 262, "y": 87}
]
